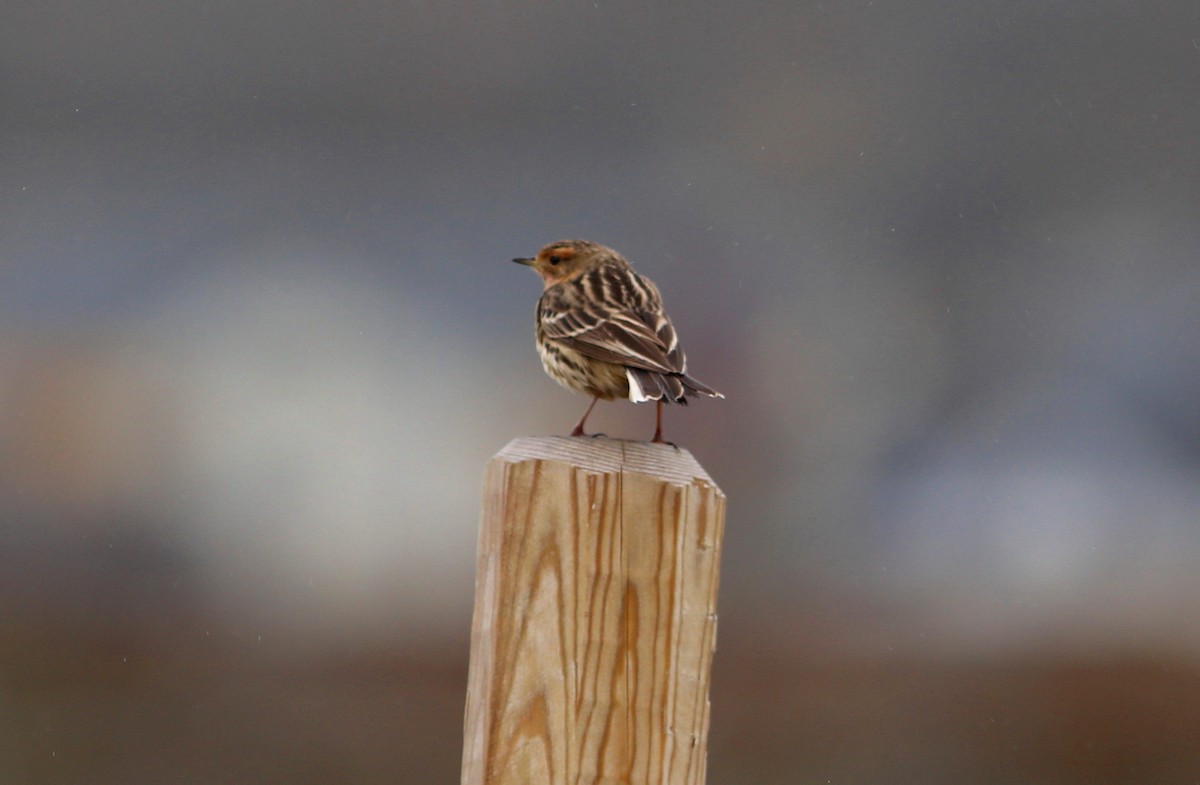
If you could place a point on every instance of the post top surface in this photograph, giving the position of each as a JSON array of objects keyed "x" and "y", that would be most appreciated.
[{"x": 603, "y": 455}]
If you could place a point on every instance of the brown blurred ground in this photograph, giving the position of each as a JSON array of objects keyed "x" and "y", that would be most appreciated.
[{"x": 183, "y": 700}]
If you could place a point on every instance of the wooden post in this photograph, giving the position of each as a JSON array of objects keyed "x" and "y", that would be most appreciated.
[{"x": 595, "y": 616}]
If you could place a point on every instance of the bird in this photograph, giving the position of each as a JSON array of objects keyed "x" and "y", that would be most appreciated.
[{"x": 602, "y": 331}]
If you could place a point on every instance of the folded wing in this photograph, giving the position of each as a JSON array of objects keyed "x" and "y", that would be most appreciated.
[{"x": 615, "y": 315}]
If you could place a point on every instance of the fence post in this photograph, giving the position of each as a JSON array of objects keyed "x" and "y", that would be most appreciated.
[{"x": 595, "y": 615}]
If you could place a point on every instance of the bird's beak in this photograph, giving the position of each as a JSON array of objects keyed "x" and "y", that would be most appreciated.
[{"x": 524, "y": 261}]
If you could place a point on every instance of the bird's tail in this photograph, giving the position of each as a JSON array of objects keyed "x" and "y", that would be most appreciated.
[
  {"x": 666, "y": 387},
  {"x": 695, "y": 387}
]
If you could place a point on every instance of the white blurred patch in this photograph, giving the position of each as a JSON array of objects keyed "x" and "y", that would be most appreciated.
[{"x": 327, "y": 465}]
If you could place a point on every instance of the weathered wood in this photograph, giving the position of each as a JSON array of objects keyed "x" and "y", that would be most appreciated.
[{"x": 595, "y": 616}]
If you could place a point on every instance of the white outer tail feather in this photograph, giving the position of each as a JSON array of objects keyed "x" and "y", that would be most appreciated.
[{"x": 636, "y": 393}]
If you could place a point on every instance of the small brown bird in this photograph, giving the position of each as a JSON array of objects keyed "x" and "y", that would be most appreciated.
[{"x": 601, "y": 330}]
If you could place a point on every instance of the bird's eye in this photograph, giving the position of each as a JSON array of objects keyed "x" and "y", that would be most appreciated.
[{"x": 555, "y": 259}]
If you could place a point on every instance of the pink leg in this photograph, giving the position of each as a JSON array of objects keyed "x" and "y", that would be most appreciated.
[
  {"x": 658, "y": 424},
  {"x": 579, "y": 426}
]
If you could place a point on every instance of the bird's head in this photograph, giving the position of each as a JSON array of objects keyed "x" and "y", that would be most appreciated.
[{"x": 566, "y": 259}]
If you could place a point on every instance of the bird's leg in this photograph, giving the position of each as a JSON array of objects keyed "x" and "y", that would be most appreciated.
[
  {"x": 579, "y": 426},
  {"x": 658, "y": 423},
  {"x": 658, "y": 439}
]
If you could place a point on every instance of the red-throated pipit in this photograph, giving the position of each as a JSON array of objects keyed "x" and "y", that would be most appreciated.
[{"x": 601, "y": 330}]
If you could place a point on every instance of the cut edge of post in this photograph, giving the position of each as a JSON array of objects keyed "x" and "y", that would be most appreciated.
[{"x": 602, "y": 455}]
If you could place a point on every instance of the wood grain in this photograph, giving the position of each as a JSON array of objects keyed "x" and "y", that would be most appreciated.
[{"x": 595, "y": 616}]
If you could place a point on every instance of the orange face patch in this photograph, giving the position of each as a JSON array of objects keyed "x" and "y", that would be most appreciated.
[{"x": 563, "y": 252}]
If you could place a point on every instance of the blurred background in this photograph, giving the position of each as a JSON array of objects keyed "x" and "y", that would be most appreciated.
[{"x": 259, "y": 334}]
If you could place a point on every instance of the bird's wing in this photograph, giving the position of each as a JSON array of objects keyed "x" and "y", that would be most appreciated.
[{"x": 621, "y": 324}]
